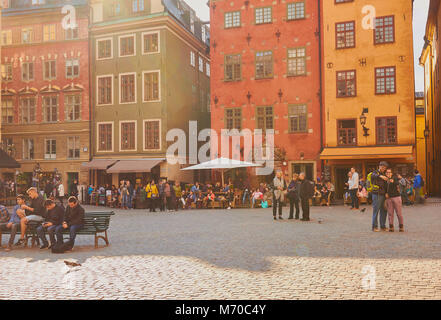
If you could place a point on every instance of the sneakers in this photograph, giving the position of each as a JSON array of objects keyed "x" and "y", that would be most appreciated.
[
  {"x": 44, "y": 246},
  {"x": 20, "y": 242},
  {"x": 384, "y": 229},
  {"x": 375, "y": 229}
]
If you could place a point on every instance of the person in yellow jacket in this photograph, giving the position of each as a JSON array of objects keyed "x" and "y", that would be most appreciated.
[{"x": 152, "y": 195}]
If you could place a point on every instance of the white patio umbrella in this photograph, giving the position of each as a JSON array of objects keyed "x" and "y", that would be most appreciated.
[{"x": 222, "y": 164}]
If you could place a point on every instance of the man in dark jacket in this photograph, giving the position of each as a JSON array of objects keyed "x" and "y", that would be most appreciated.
[
  {"x": 293, "y": 195},
  {"x": 379, "y": 182},
  {"x": 73, "y": 219},
  {"x": 306, "y": 192},
  {"x": 49, "y": 189},
  {"x": 54, "y": 219}
]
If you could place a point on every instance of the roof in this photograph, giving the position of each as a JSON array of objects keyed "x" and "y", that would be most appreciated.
[
  {"x": 6, "y": 161},
  {"x": 374, "y": 152}
]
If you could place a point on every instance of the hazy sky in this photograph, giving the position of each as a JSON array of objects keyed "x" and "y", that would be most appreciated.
[{"x": 419, "y": 24}]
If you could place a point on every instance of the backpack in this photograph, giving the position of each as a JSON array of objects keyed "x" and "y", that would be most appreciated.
[
  {"x": 62, "y": 247},
  {"x": 370, "y": 186}
]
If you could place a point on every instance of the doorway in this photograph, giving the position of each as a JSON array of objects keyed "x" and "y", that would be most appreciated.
[
  {"x": 71, "y": 177},
  {"x": 307, "y": 168},
  {"x": 341, "y": 177}
]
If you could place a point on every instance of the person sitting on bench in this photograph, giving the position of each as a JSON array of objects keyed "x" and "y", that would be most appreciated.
[
  {"x": 36, "y": 212},
  {"x": 14, "y": 221},
  {"x": 54, "y": 219},
  {"x": 73, "y": 220}
]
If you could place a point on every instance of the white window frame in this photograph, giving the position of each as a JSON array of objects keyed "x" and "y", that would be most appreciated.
[
  {"x": 111, "y": 48},
  {"x": 8, "y": 34},
  {"x": 207, "y": 69},
  {"x": 143, "y": 134},
  {"x": 97, "y": 90},
  {"x": 55, "y": 32},
  {"x": 120, "y": 135},
  {"x": 159, "y": 87},
  {"x": 192, "y": 59},
  {"x": 131, "y": 35},
  {"x": 159, "y": 42},
  {"x": 119, "y": 87},
  {"x": 201, "y": 64},
  {"x": 50, "y": 156},
  {"x": 98, "y": 136},
  {"x": 65, "y": 68},
  {"x": 67, "y": 147}
]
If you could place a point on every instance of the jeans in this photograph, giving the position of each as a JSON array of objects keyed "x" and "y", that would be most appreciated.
[
  {"x": 35, "y": 218},
  {"x": 294, "y": 201},
  {"x": 246, "y": 196},
  {"x": 129, "y": 201},
  {"x": 72, "y": 232},
  {"x": 378, "y": 206},
  {"x": 277, "y": 203},
  {"x": 124, "y": 200},
  {"x": 354, "y": 198},
  {"x": 14, "y": 228},
  {"x": 51, "y": 231}
]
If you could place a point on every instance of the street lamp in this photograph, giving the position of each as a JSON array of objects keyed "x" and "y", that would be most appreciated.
[
  {"x": 426, "y": 132},
  {"x": 363, "y": 119}
]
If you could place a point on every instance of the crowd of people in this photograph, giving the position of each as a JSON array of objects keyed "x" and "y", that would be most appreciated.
[{"x": 46, "y": 216}]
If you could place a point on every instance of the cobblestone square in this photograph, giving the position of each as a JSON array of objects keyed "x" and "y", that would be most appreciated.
[{"x": 237, "y": 254}]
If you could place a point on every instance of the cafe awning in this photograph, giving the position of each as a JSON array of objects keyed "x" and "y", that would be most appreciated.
[
  {"x": 99, "y": 164},
  {"x": 6, "y": 161},
  {"x": 387, "y": 152},
  {"x": 134, "y": 165}
]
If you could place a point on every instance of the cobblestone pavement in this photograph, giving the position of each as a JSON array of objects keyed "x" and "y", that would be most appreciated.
[{"x": 237, "y": 254}]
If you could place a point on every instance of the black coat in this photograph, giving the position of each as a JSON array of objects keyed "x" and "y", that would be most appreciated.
[
  {"x": 74, "y": 216},
  {"x": 306, "y": 189},
  {"x": 55, "y": 216}
]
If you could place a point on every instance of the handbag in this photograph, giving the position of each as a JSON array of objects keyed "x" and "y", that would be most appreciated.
[{"x": 264, "y": 204}]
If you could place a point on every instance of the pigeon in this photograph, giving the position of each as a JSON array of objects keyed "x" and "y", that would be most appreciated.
[
  {"x": 363, "y": 210},
  {"x": 72, "y": 264}
]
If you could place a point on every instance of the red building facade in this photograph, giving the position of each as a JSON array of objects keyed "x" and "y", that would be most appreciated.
[
  {"x": 266, "y": 74},
  {"x": 45, "y": 88}
]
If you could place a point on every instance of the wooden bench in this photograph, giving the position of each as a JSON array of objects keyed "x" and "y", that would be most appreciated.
[{"x": 95, "y": 223}]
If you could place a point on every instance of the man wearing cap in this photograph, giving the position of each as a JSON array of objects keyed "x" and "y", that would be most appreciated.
[
  {"x": 379, "y": 196},
  {"x": 36, "y": 212},
  {"x": 54, "y": 219},
  {"x": 73, "y": 220},
  {"x": 14, "y": 221}
]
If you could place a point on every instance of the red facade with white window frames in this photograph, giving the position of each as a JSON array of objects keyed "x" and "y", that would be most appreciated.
[{"x": 266, "y": 72}]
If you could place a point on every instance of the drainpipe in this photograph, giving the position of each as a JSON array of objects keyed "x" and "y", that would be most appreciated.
[
  {"x": 320, "y": 76},
  {"x": 91, "y": 95}
]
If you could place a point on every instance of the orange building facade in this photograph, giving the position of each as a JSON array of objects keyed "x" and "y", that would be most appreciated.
[{"x": 266, "y": 75}]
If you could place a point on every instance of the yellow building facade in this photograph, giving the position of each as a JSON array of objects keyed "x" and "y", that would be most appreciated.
[
  {"x": 368, "y": 81},
  {"x": 429, "y": 59}
]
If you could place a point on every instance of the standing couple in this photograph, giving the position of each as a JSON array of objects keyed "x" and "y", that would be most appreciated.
[{"x": 300, "y": 190}]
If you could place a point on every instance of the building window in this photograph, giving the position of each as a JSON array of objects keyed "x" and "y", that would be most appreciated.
[
  {"x": 151, "y": 42},
  {"x": 7, "y": 111},
  {"x": 128, "y": 136},
  {"x": 298, "y": 118},
  {"x": 296, "y": 10},
  {"x": 384, "y": 30},
  {"x": 104, "y": 48},
  {"x": 151, "y": 135},
  {"x": 105, "y": 88},
  {"x": 28, "y": 149},
  {"x": 73, "y": 147},
  {"x": 27, "y": 110},
  {"x": 127, "y": 88},
  {"x": 50, "y": 109},
  {"x": 264, "y": 64},
  {"x": 347, "y": 132},
  {"x": 297, "y": 62},
  {"x": 114, "y": 8},
  {"x": 345, "y": 35},
  {"x": 27, "y": 71},
  {"x": 50, "y": 70},
  {"x": 346, "y": 84},
  {"x": 232, "y": 19},
  {"x": 204, "y": 34},
  {"x": 263, "y": 15},
  {"x": 72, "y": 68},
  {"x": 49, "y": 32},
  {"x": 71, "y": 33},
  {"x": 265, "y": 118},
  {"x": 105, "y": 136},
  {"x": 151, "y": 86},
  {"x": 233, "y": 118},
  {"x": 137, "y": 5},
  {"x": 385, "y": 80},
  {"x": 50, "y": 151},
  {"x": 7, "y": 72},
  {"x": 201, "y": 65},
  {"x": 73, "y": 107},
  {"x": 126, "y": 46},
  {"x": 26, "y": 35},
  {"x": 233, "y": 66},
  {"x": 192, "y": 59},
  {"x": 207, "y": 69},
  {"x": 6, "y": 37},
  {"x": 386, "y": 130}
]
